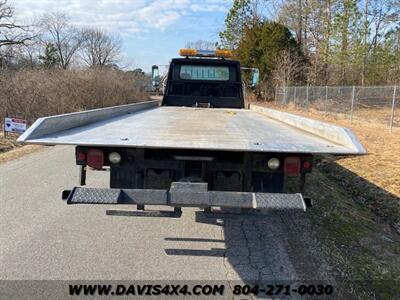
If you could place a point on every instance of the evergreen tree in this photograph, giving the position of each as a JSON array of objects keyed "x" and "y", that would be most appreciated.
[
  {"x": 49, "y": 59},
  {"x": 262, "y": 44},
  {"x": 235, "y": 22}
]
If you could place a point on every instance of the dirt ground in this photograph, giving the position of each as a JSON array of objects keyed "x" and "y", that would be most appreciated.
[
  {"x": 356, "y": 211},
  {"x": 10, "y": 149}
]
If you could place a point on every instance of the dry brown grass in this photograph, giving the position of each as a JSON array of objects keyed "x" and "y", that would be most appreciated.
[
  {"x": 381, "y": 166},
  {"x": 30, "y": 94},
  {"x": 10, "y": 149},
  {"x": 8, "y": 143},
  {"x": 378, "y": 115},
  {"x": 373, "y": 179},
  {"x": 18, "y": 152}
]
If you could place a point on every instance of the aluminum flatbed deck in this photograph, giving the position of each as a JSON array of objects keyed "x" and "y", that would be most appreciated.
[{"x": 150, "y": 126}]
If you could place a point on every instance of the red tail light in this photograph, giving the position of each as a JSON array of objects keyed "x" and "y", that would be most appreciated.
[
  {"x": 95, "y": 159},
  {"x": 292, "y": 166},
  {"x": 306, "y": 165},
  {"x": 81, "y": 156}
]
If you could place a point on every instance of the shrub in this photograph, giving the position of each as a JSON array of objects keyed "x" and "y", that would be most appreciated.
[{"x": 30, "y": 94}]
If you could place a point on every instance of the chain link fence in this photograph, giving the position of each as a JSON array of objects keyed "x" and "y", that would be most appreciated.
[{"x": 372, "y": 103}]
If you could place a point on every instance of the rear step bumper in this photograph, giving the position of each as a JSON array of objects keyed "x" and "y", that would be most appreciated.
[{"x": 184, "y": 194}]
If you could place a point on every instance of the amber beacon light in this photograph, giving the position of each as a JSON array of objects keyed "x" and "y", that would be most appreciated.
[{"x": 205, "y": 53}]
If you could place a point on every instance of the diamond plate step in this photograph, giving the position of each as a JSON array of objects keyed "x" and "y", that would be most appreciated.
[
  {"x": 117, "y": 196},
  {"x": 182, "y": 195},
  {"x": 279, "y": 201}
]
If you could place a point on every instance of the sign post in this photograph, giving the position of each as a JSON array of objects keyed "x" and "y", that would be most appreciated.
[{"x": 14, "y": 125}]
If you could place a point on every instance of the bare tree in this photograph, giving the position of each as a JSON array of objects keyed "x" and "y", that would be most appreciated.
[
  {"x": 66, "y": 38},
  {"x": 10, "y": 32},
  {"x": 288, "y": 68},
  {"x": 201, "y": 45},
  {"x": 100, "y": 48}
]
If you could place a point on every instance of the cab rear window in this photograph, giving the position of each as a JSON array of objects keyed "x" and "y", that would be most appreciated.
[{"x": 197, "y": 72}]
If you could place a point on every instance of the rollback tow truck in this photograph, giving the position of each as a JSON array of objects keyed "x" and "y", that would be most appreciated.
[{"x": 200, "y": 147}]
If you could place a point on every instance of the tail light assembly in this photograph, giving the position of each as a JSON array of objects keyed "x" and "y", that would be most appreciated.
[
  {"x": 80, "y": 156},
  {"x": 95, "y": 159},
  {"x": 307, "y": 165},
  {"x": 91, "y": 157},
  {"x": 292, "y": 166}
]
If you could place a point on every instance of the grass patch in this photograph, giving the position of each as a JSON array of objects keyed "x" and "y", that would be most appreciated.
[
  {"x": 10, "y": 149},
  {"x": 364, "y": 250}
]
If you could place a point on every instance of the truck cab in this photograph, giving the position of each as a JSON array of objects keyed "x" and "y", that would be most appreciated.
[{"x": 204, "y": 82}]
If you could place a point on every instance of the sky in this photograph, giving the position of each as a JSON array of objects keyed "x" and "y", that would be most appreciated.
[{"x": 152, "y": 31}]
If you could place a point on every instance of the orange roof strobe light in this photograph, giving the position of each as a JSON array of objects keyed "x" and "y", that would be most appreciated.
[
  {"x": 205, "y": 53},
  {"x": 188, "y": 52},
  {"x": 223, "y": 53}
]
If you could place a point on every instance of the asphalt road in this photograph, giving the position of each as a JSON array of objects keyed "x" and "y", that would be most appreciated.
[{"x": 42, "y": 237}]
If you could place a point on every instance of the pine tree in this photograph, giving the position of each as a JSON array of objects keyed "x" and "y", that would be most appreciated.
[
  {"x": 50, "y": 58},
  {"x": 262, "y": 45},
  {"x": 235, "y": 22}
]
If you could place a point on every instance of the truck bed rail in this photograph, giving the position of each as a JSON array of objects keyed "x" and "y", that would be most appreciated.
[
  {"x": 336, "y": 134},
  {"x": 53, "y": 124},
  {"x": 144, "y": 125}
]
